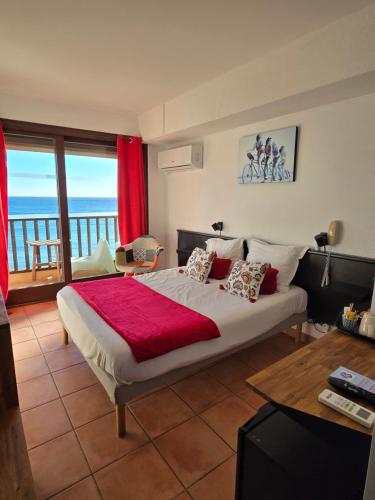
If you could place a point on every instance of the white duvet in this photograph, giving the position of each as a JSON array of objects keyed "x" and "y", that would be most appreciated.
[{"x": 237, "y": 319}]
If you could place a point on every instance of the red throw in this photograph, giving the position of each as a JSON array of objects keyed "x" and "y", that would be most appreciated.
[
  {"x": 132, "y": 219},
  {"x": 4, "y": 269},
  {"x": 151, "y": 323}
]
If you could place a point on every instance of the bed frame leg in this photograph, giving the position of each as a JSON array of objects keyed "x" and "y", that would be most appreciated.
[
  {"x": 299, "y": 334},
  {"x": 65, "y": 337},
  {"x": 120, "y": 420}
]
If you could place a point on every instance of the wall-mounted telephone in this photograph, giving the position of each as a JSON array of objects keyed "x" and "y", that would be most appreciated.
[
  {"x": 330, "y": 238},
  {"x": 333, "y": 232}
]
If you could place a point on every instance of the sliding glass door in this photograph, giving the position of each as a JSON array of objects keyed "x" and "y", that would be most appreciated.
[
  {"x": 62, "y": 200},
  {"x": 91, "y": 180},
  {"x": 35, "y": 240}
]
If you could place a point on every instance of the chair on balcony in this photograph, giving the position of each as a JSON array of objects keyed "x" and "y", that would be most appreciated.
[
  {"x": 138, "y": 257},
  {"x": 100, "y": 262}
]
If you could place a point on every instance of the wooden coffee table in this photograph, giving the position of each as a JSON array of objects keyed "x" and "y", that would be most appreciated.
[{"x": 297, "y": 379}]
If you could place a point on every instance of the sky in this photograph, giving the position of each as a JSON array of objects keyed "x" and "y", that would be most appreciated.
[{"x": 34, "y": 174}]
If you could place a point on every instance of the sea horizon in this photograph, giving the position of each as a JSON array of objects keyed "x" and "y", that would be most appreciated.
[
  {"x": 46, "y": 206},
  {"x": 29, "y": 208}
]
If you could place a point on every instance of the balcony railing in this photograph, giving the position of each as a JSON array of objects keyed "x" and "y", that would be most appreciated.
[{"x": 85, "y": 231}]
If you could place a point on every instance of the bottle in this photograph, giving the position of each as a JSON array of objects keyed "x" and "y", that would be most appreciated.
[{"x": 367, "y": 326}]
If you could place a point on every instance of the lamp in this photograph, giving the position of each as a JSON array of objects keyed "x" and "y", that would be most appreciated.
[
  {"x": 321, "y": 240},
  {"x": 218, "y": 226}
]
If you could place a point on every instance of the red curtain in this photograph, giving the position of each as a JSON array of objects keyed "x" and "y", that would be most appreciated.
[
  {"x": 132, "y": 218},
  {"x": 4, "y": 269}
]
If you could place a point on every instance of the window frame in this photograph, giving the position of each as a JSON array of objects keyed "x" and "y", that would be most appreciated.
[{"x": 60, "y": 135}]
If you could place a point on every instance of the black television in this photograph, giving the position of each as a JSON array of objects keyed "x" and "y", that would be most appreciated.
[{"x": 286, "y": 454}]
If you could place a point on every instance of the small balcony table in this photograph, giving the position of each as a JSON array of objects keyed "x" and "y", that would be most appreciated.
[{"x": 36, "y": 245}]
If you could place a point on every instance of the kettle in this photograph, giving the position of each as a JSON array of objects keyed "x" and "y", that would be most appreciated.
[{"x": 367, "y": 325}]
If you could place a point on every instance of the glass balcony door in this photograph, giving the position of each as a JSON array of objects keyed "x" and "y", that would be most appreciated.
[
  {"x": 62, "y": 207},
  {"x": 91, "y": 181},
  {"x": 35, "y": 249}
]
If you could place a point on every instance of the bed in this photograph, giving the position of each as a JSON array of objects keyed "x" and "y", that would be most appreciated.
[{"x": 240, "y": 323}]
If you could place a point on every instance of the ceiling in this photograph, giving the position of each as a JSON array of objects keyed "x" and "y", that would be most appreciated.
[{"x": 131, "y": 56}]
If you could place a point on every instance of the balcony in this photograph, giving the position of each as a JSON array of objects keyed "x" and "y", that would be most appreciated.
[{"x": 85, "y": 231}]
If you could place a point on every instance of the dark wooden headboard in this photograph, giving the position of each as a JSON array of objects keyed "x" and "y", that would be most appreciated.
[{"x": 352, "y": 278}]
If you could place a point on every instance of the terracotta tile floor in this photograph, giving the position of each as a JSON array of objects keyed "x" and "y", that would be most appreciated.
[{"x": 181, "y": 440}]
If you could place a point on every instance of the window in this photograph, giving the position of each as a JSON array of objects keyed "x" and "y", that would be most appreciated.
[
  {"x": 62, "y": 187},
  {"x": 35, "y": 248}
]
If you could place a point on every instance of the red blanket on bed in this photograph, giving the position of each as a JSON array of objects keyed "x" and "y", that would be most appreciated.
[{"x": 150, "y": 323}]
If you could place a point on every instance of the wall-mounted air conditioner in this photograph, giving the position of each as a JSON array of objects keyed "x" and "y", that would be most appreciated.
[{"x": 182, "y": 158}]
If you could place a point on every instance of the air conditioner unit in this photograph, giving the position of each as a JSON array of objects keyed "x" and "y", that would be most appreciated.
[{"x": 182, "y": 158}]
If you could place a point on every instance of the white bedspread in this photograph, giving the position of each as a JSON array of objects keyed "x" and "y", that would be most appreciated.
[{"x": 237, "y": 319}]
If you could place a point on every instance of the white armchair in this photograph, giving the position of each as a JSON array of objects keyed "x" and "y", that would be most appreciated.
[{"x": 139, "y": 257}]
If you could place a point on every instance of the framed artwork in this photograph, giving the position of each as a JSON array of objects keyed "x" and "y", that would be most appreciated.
[{"x": 268, "y": 157}]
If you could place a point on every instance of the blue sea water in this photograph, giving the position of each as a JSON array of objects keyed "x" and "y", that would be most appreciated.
[
  {"x": 47, "y": 207},
  {"x": 27, "y": 205}
]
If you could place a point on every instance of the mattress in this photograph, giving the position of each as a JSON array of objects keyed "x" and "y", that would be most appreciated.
[{"x": 238, "y": 320}]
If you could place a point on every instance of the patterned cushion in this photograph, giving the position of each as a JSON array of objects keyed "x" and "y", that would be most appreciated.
[
  {"x": 199, "y": 264},
  {"x": 246, "y": 278},
  {"x": 129, "y": 255},
  {"x": 139, "y": 253},
  {"x": 150, "y": 254}
]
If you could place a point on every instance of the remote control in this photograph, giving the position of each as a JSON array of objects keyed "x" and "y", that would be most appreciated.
[
  {"x": 353, "y": 383},
  {"x": 348, "y": 408}
]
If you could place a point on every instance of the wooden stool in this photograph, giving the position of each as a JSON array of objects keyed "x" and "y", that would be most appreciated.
[{"x": 48, "y": 243}]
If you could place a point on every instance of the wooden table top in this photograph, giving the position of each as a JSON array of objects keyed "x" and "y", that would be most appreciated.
[{"x": 297, "y": 379}]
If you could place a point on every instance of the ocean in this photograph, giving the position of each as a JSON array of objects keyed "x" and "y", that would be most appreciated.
[{"x": 21, "y": 207}]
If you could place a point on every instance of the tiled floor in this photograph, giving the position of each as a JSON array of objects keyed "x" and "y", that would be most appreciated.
[{"x": 181, "y": 440}]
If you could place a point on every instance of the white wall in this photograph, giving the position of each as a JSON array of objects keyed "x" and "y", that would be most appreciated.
[
  {"x": 52, "y": 113},
  {"x": 335, "y": 180},
  {"x": 326, "y": 65},
  {"x": 157, "y": 204}
]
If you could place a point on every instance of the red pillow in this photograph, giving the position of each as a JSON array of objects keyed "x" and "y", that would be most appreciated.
[
  {"x": 269, "y": 284},
  {"x": 220, "y": 268}
]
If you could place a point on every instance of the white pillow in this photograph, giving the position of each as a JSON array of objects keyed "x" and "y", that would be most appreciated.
[
  {"x": 282, "y": 257},
  {"x": 226, "y": 249}
]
